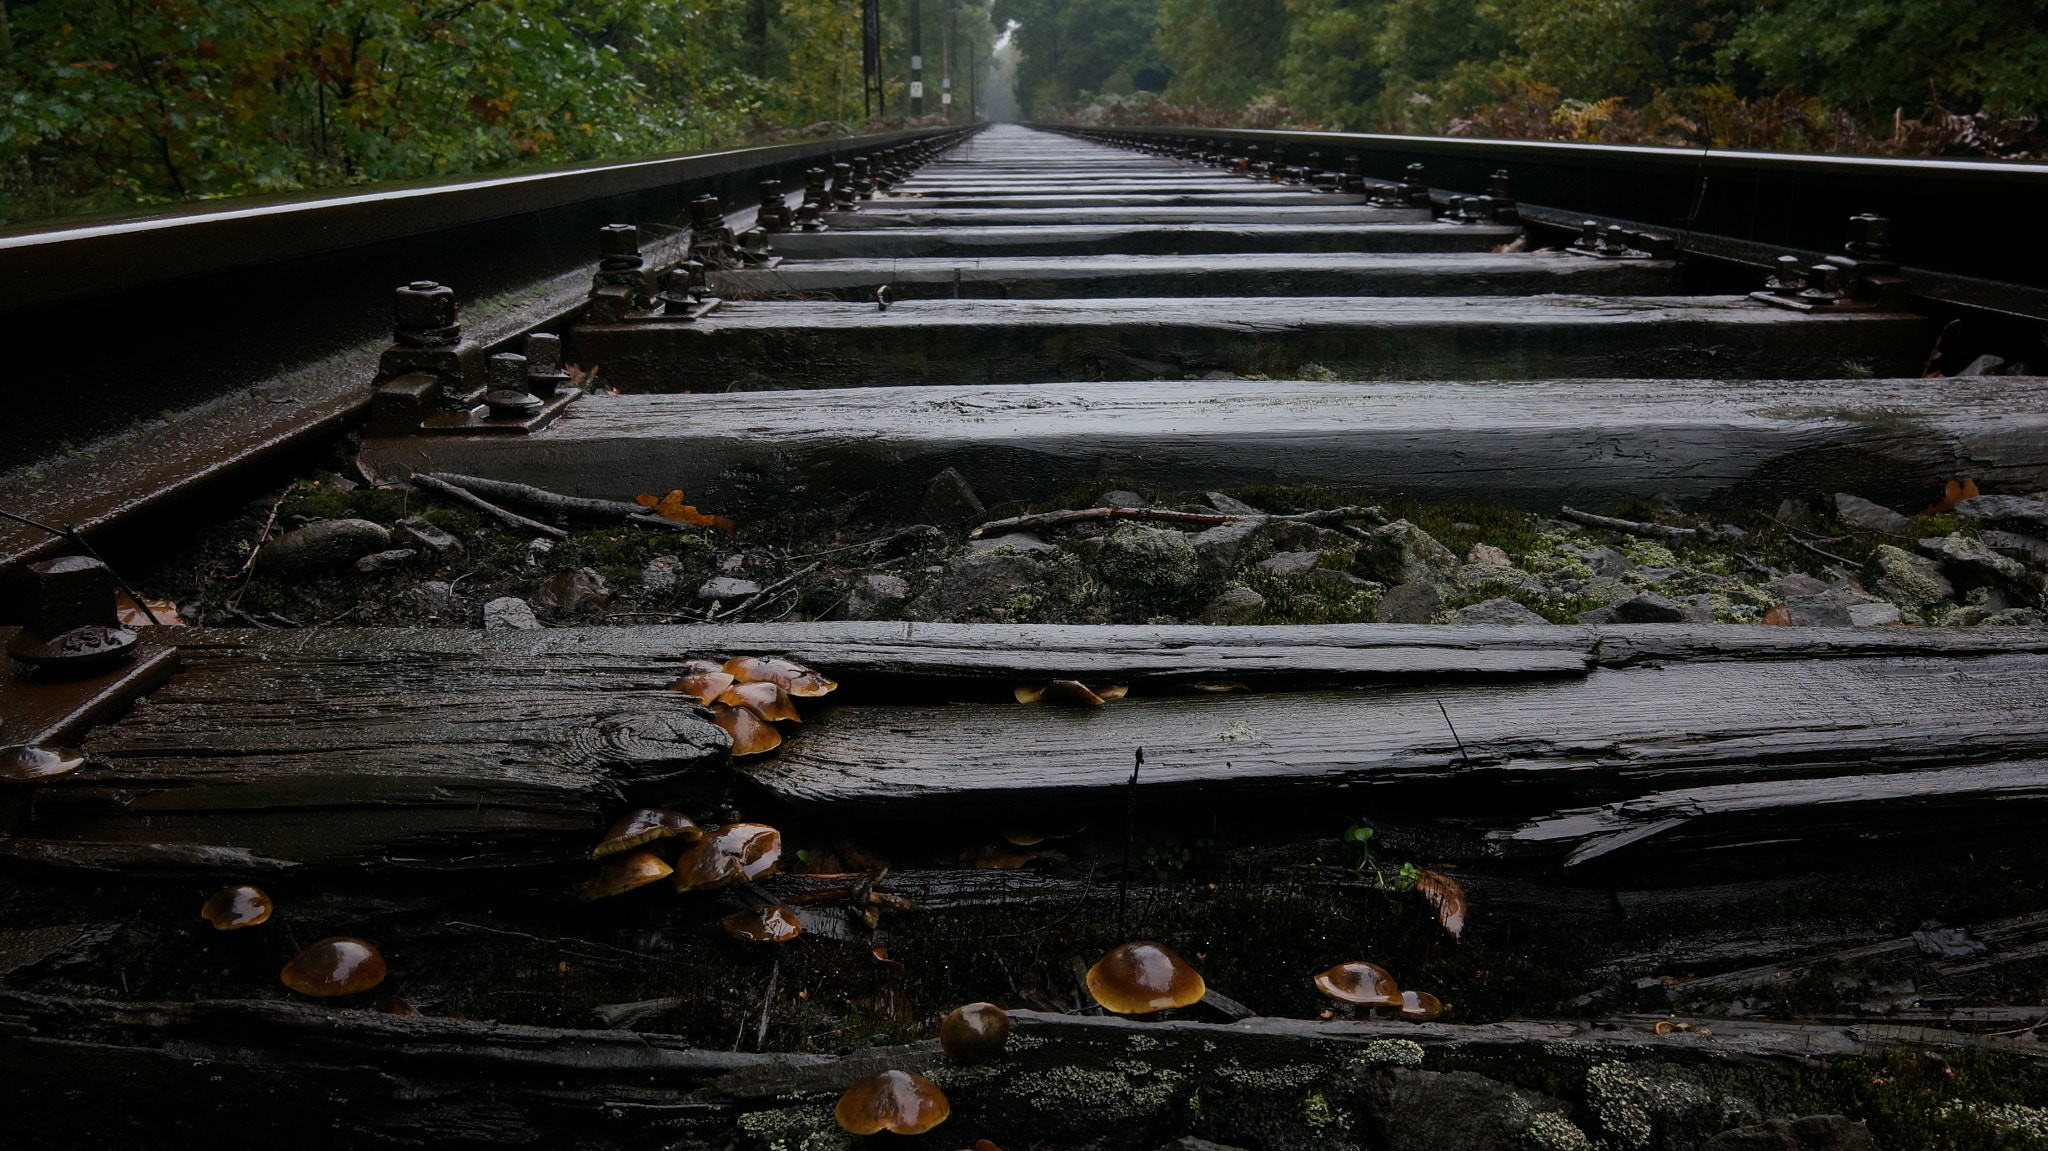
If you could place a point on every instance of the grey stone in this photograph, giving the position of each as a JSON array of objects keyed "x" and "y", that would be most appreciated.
[
  {"x": 1606, "y": 589},
  {"x": 335, "y": 482},
  {"x": 1291, "y": 563},
  {"x": 1698, "y": 608},
  {"x": 1841, "y": 607},
  {"x": 328, "y": 543},
  {"x": 1643, "y": 607},
  {"x": 1216, "y": 550},
  {"x": 1401, "y": 553},
  {"x": 979, "y": 585},
  {"x": 1486, "y": 555},
  {"x": 1473, "y": 577},
  {"x": 1972, "y": 562},
  {"x": 1231, "y": 507},
  {"x": 727, "y": 588},
  {"x": 1811, "y": 1133},
  {"x": 877, "y": 595},
  {"x": 1795, "y": 513},
  {"x": 1015, "y": 541},
  {"x": 1906, "y": 579},
  {"x": 1658, "y": 575},
  {"x": 434, "y": 597},
  {"x": 1787, "y": 586},
  {"x": 1608, "y": 562},
  {"x": 2015, "y": 617},
  {"x": 1497, "y": 612},
  {"x": 1864, "y": 514},
  {"x": 1148, "y": 561},
  {"x": 661, "y": 573},
  {"x": 1122, "y": 499},
  {"x": 1341, "y": 579},
  {"x": 950, "y": 500},
  {"x": 509, "y": 611},
  {"x": 1295, "y": 536},
  {"x": 2006, "y": 509},
  {"x": 2032, "y": 547},
  {"x": 1413, "y": 602},
  {"x": 384, "y": 561},
  {"x": 1416, "y": 1110},
  {"x": 537, "y": 549},
  {"x": 1235, "y": 605},
  {"x": 567, "y": 591},
  {"x": 418, "y": 534},
  {"x": 1984, "y": 365}
]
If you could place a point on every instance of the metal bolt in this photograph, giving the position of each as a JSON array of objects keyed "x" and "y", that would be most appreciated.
[
  {"x": 506, "y": 370},
  {"x": 70, "y": 626},
  {"x": 706, "y": 212},
  {"x": 426, "y": 311},
  {"x": 619, "y": 242},
  {"x": 1500, "y": 185}
]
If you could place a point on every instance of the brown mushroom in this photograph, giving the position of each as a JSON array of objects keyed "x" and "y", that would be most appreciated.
[
  {"x": 393, "y": 1005},
  {"x": 794, "y": 678},
  {"x": 702, "y": 684},
  {"x": 1032, "y": 834},
  {"x": 338, "y": 965},
  {"x": 736, "y": 851},
  {"x": 1068, "y": 691},
  {"x": 1419, "y": 1006},
  {"x": 1358, "y": 982},
  {"x": 897, "y": 1101},
  {"x": 643, "y": 826},
  {"x": 231, "y": 908},
  {"x": 975, "y": 1033},
  {"x": 766, "y": 700},
  {"x": 623, "y": 874},
  {"x": 1143, "y": 976},
  {"x": 763, "y": 924},
  {"x": 27, "y": 763},
  {"x": 751, "y": 735}
]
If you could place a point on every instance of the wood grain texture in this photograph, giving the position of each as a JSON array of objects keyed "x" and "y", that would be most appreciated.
[
  {"x": 1326, "y": 274},
  {"x": 1532, "y": 445},
  {"x": 952, "y": 217},
  {"x": 1141, "y": 239},
  {"x": 923, "y": 342},
  {"x": 1044, "y": 197}
]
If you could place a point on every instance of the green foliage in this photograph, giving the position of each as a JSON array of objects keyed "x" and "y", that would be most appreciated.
[
  {"x": 1223, "y": 53},
  {"x": 1072, "y": 51}
]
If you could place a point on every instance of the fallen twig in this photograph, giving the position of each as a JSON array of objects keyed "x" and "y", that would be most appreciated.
[
  {"x": 751, "y": 600},
  {"x": 913, "y": 529},
  {"x": 1631, "y": 527},
  {"x": 1206, "y": 519},
  {"x": 611, "y": 511},
  {"x": 511, "y": 519}
]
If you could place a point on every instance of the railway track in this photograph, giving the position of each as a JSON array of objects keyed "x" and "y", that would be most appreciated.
[{"x": 1290, "y": 457}]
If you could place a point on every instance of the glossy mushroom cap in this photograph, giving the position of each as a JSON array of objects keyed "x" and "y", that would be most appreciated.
[
  {"x": 393, "y": 1005},
  {"x": 1420, "y": 1006},
  {"x": 1359, "y": 982},
  {"x": 1144, "y": 976},
  {"x": 766, "y": 700},
  {"x": 703, "y": 686},
  {"x": 644, "y": 826},
  {"x": 338, "y": 965},
  {"x": 975, "y": 1033},
  {"x": 751, "y": 735},
  {"x": 764, "y": 924},
  {"x": 27, "y": 763},
  {"x": 895, "y": 1101},
  {"x": 794, "y": 678},
  {"x": 736, "y": 851},
  {"x": 623, "y": 874},
  {"x": 236, "y": 907}
]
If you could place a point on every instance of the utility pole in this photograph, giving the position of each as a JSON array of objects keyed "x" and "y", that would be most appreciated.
[
  {"x": 872, "y": 99},
  {"x": 946, "y": 60},
  {"x": 970, "y": 84},
  {"x": 916, "y": 58}
]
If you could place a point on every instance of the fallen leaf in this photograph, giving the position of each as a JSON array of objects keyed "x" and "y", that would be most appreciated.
[
  {"x": 133, "y": 616},
  {"x": 1447, "y": 895},
  {"x": 1779, "y": 616},
  {"x": 672, "y": 507},
  {"x": 1952, "y": 495}
]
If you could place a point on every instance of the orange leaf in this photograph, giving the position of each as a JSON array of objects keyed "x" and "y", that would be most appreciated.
[
  {"x": 133, "y": 616},
  {"x": 672, "y": 507},
  {"x": 1952, "y": 495},
  {"x": 1779, "y": 616},
  {"x": 1447, "y": 895}
]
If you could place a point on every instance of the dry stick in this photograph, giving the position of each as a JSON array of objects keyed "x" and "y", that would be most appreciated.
[
  {"x": 70, "y": 532},
  {"x": 235, "y": 597},
  {"x": 1794, "y": 538},
  {"x": 778, "y": 585},
  {"x": 1076, "y": 515},
  {"x": 768, "y": 998},
  {"x": 512, "y": 519},
  {"x": 1631, "y": 527},
  {"x": 1463, "y": 755}
]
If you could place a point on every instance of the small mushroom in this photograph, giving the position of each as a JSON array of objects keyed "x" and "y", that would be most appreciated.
[
  {"x": 763, "y": 924},
  {"x": 338, "y": 965},
  {"x": 794, "y": 678},
  {"x": 393, "y": 1005},
  {"x": 27, "y": 763},
  {"x": 751, "y": 735},
  {"x": 766, "y": 700},
  {"x": 1032, "y": 834},
  {"x": 1069, "y": 691},
  {"x": 621, "y": 875},
  {"x": 643, "y": 826},
  {"x": 231, "y": 908},
  {"x": 1360, "y": 983},
  {"x": 703, "y": 684},
  {"x": 736, "y": 851},
  {"x": 897, "y": 1101},
  {"x": 975, "y": 1033},
  {"x": 1144, "y": 976},
  {"x": 1419, "y": 1006}
]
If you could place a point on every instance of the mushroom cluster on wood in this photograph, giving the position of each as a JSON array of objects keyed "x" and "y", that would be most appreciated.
[
  {"x": 1141, "y": 977},
  {"x": 794, "y": 678},
  {"x": 735, "y": 851},
  {"x": 749, "y": 694},
  {"x": 1068, "y": 691},
  {"x": 1419, "y": 1006},
  {"x": 1359, "y": 983},
  {"x": 763, "y": 924},
  {"x": 338, "y": 965},
  {"x": 643, "y": 826},
  {"x": 896, "y": 1101},
  {"x": 975, "y": 1033},
  {"x": 624, "y": 873},
  {"x": 233, "y": 908}
]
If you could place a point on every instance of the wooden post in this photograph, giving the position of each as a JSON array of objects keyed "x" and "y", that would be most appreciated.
[{"x": 916, "y": 58}]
